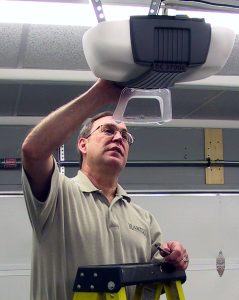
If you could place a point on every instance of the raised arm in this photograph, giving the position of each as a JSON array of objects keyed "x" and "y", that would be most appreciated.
[{"x": 55, "y": 129}]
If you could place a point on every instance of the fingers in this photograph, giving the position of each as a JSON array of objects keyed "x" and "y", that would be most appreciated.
[
  {"x": 178, "y": 255},
  {"x": 163, "y": 251},
  {"x": 183, "y": 263}
]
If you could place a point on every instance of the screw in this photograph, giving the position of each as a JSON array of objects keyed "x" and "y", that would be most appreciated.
[{"x": 111, "y": 285}]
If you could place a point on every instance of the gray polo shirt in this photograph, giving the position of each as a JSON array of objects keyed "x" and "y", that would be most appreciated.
[{"x": 76, "y": 226}]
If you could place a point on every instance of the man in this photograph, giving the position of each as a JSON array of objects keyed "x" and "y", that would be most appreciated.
[{"x": 87, "y": 220}]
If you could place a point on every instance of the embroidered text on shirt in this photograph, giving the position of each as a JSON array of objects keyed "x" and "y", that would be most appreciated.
[{"x": 137, "y": 228}]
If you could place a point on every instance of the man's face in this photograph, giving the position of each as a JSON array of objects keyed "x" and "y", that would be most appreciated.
[{"x": 104, "y": 148}]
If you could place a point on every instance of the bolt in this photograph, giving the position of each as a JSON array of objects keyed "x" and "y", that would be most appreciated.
[{"x": 111, "y": 285}]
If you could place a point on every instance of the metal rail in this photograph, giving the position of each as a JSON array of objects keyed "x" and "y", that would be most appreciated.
[{"x": 15, "y": 163}]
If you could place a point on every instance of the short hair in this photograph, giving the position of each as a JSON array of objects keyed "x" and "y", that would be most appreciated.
[{"x": 87, "y": 126}]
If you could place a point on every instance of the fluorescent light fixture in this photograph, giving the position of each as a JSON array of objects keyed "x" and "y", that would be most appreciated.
[
  {"x": 54, "y": 13},
  {"x": 223, "y": 19}
]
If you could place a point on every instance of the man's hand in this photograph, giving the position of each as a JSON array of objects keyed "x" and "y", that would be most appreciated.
[
  {"x": 178, "y": 255},
  {"x": 109, "y": 91}
]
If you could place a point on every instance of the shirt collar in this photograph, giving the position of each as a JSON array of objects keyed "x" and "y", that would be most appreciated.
[{"x": 87, "y": 186}]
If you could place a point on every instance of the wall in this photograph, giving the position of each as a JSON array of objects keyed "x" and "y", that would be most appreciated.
[
  {"x": 15, "y": 250},
  {"x": 152, "y": 143}
]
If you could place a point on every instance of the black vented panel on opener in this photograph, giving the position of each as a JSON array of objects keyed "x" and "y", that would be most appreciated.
[{"x": 175, "y": 47}]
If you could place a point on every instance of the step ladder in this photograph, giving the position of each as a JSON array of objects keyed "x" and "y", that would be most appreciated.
[{"x": 109, "y": 282}]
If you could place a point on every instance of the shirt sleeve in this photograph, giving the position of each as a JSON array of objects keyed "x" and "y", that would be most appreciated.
[{"x": 40, "y": 213}]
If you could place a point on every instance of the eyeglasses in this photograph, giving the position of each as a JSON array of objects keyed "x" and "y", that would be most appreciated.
[{"x": 111, "y": 130}]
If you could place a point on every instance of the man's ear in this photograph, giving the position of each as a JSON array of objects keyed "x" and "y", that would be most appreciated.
[{"x": 81, "y": 144}]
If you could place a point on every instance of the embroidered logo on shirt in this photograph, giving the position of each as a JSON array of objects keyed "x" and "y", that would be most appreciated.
[{"x": 137, "y": 228}]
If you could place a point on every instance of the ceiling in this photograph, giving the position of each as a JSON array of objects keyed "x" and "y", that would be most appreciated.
[{"x": 43, "y": 67}]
